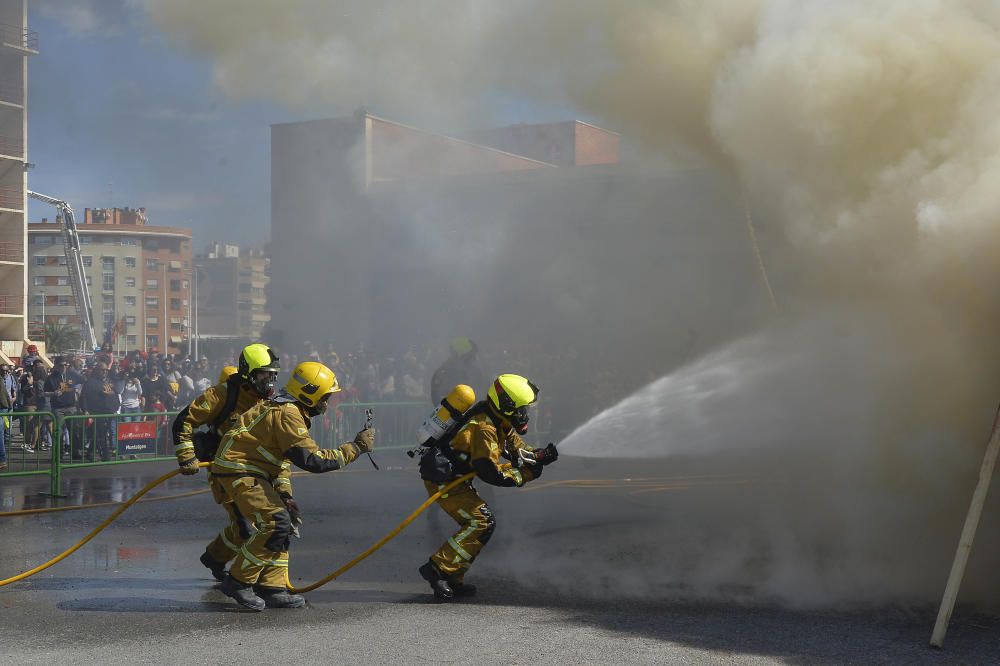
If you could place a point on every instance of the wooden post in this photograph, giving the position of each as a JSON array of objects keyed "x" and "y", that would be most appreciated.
[{"x": 968, "y": 534}]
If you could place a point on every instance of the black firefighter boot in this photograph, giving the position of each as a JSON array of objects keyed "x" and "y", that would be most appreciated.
[
  {"x": 277, "y": 597},
  {"x": 218, "y": 569},
  {"x": 439, "y": 582},
  {"x": 241, "y": 593}
]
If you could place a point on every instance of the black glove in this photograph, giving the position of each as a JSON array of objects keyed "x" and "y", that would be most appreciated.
[
  {"x": 293, "y": 509},
  {"x": 547, "y": 455}
]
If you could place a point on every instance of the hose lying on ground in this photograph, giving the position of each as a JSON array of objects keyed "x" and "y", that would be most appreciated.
[{"x": 323, "y": 581}]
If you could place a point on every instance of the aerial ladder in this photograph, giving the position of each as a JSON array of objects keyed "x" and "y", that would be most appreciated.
[{"x": 74, "y": 262}]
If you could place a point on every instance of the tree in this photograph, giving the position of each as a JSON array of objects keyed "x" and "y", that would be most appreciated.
[{"x": 62, "y": 337}]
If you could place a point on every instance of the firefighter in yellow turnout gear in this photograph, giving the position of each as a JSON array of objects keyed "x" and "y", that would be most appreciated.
[
  {"x": 219, "y": 408},
  {"x": 259, "y": 450},
  {"x": 490, "y": 436}
]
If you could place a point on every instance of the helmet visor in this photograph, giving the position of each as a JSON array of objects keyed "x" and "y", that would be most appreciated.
[
  {"x": 519, "y": 419},
  {"x": 263, "y": 382}
]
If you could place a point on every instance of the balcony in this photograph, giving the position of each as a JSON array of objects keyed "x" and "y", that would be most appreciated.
[
  {"x": 11, "y": 95},
  {"x": 11, "y": 198},
  {"x": 12, "y": 147},
  {"x": 18, "y": 38},
  {"x": 11, "y": 251},
  {"x": 11, "y": 305}
]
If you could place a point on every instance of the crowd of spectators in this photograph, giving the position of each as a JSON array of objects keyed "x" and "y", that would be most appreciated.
[{"x": 144, "y": 383}]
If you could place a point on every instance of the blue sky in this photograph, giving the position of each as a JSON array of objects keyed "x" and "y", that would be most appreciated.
[{"x": 119, "y": 117}]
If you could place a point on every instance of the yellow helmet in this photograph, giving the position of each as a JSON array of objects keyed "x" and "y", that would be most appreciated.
[
  {"x": 226, "y": 373},
  {"x": 257, "y": 357},
  {"x": 510, "y": 395},
  {"x": 461, "y": 346},
  {"x": 253, "y": 359},
  {"x": 310, "y": 381}
]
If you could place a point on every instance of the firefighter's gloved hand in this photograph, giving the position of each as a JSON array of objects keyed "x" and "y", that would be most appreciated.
[
  {"x": 547, "y": 455},
  {"x": 190, "y": 467},
  {"x": 293, "y": 510},
  {"x": 365, "y": 440}
]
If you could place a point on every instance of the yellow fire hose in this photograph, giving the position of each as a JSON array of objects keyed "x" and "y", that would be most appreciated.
[{"x": 323, "y": 581}]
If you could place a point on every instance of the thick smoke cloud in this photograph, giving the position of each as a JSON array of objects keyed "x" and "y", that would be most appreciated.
[{"x": 862, "y": 134}]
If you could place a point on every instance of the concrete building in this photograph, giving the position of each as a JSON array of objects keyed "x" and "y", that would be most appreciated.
[
  {"x": 231, "y": 293},
  {"x": 384, "y": 234},
  {"x": 139, "y": 276},
  {"x": 16, "y": 44}
]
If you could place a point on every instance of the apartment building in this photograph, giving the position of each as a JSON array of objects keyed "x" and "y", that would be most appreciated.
[
  {"x": 231, "y": 292},
  {"x": 16, "y": 44},
  {"x": 139, "y": 277}
]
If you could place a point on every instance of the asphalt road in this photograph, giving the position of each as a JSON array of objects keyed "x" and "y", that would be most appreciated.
[{"x": 569, "y": 577}]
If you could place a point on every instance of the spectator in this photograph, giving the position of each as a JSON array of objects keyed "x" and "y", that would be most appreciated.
[
  {"x": 8, "y": 397},
  {"x": 99, "y": 399},
  {"x": 154, "y": 384},
  {"x": 131, "y": 396},
  {"x": 59, "y": 388},
  {"x": 42, "y": 430}
]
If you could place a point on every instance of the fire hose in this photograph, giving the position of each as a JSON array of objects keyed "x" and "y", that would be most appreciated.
[{"x": 308, "y": 588}]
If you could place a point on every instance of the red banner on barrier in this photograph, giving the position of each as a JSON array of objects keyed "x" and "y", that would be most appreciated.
[{"x": 137, "y": 437}]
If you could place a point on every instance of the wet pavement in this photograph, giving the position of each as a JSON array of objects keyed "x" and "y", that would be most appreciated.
[{"x": 137, "y": 594}]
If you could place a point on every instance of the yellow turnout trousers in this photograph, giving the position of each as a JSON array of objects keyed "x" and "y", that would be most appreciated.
[
  {"x": 262, "y": 557},
  {"x": 476, "y": 524}
]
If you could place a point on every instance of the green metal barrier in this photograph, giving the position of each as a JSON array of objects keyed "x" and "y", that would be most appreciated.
[
  {"x": 29, "y": 457},
  {"x": 78, "y": 440},
  {"x": 94, "y": 440},
  {"x": 395, "y": 422}
]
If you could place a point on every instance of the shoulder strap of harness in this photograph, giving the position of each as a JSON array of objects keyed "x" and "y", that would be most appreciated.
[{"x": 232, "y": 397}]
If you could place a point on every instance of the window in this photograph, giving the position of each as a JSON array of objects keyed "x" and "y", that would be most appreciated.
[
  {"x": 84, "y": 240},
  {"x": 128, "y": 241},
  {"x": 130, "y": 302},
  {"x": 151, "y": 265},
  {"x": 62, "y": 260},
  {"x": 88, "y": 260},
  {"x": 152, "y": 302},
  {"x": 36, "y": 300},
  {"x": 153, "y": 340},
  {"x": 40, "y": 261},
  {"x": 130, "y": 282},
  {"x": 130, "y": 340},
  {"x": 152, "y": 322},
  {"x": 108, "y": 283},
  {"x": 44, "y": 240},
  {"x": 175, "y": 285},
  {"x": 175, "y": 304},
  {"x": 152, "y": 284},
  {"x": 109, "y": 319},
  {"x": 108, "y": 263},
  {"x": 177, "y": 327},
  {"x": 108, "y": 305},
  {"x": 62, "y": 300},
  {"x": 130, "y": 320},
  {"x": 129, "y": 262},
  {"x": 62, "y": 321},
  {"x": 62, "y": 281},
  {"x": 39, "y": 281}
]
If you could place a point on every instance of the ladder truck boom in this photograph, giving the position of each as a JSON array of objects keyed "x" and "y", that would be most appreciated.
[{"x": 74, "y": 262}]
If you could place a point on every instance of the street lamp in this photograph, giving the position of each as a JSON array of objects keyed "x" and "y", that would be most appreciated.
[{"x": 43, "y": 310}]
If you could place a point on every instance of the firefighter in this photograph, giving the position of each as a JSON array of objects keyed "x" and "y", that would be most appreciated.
[
  {"x": 218, "y": 408},
  {"x": 268, "y": 439},
  {"x": 493, "y": 432},
  {"x": 461, "y": 367}
]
